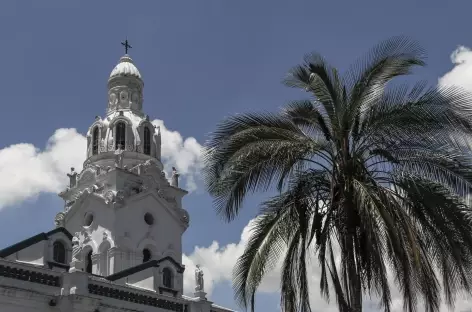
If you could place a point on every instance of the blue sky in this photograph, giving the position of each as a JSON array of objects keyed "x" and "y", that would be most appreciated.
[{"x": 201, "y": 61}]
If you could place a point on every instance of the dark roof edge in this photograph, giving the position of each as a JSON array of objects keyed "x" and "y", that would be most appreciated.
[
  {"x": 180, "y": 268},
  {"x": 144, "y": 266},
  {"x": 60, "y": 229},
  {"x": 132, "y": 270},
  {"x": 5, "y": 252}
]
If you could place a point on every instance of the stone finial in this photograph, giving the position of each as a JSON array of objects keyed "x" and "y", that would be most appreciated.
[
  {"x": 119, "y": 157},
  {"x": 199, "y": 283},
  {"x": 72, "y": 177},
  {"x": 175, "y": 178}
]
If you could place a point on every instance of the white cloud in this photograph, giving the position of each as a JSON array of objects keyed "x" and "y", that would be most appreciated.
[
  {"x": 217, "y": 264},
  {"x": 26, "y": 170},
  {"x": 461, "y": 73},
  {"x": 185, "y": 155}
]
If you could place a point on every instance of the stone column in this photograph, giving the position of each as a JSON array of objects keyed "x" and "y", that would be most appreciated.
[
  {"x": 200, "y": 306},
  {"x": 75, "y": 283},
  {"x": 95, "y": 262},
  {"x": 114, "y": 256}
]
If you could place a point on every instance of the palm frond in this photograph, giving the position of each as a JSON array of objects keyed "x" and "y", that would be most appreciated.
[
  {"x": 382, "y": 172},
  {"x": 391, "y": 58}
]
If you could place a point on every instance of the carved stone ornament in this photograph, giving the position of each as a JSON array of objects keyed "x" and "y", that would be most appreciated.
[
  {"x": 86, "y": 236},
  {"x": 185, "y": 216},
  {"x": 120, "y": 196},
  {"x": 69, "y": 203},
  {"x": 119, "y": 157},
  {"x": 124, "y": 96},
  {"x": 109, "y": 197},
  {"x": 59, "y": 219},
  {"x": 78, "y": 195},
  {"x": 112, "y": 99},
  {"x": 76, "y": 246},
  {"x": 103, "y": 145}
]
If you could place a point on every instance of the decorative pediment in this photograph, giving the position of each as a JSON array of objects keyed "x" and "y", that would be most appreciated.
[{"x": 86, "y": 177}]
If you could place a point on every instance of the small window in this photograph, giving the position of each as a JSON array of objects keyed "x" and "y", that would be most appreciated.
[
  {"x": 88, "y": 220},
  {"x": 167, "y": 277},
  {"x": 148, "y": 218},
  {"x": 88, "y": 262},
  {"x": 120, "y": 135},
  {"x": 59, "y": 253},
  {"x": 95, "y": 141},
  {"x": 147, "y": 141},
  {"x": 146, "y": 255}
]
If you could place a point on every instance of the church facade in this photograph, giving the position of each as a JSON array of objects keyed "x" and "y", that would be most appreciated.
[{"x": 117, "y": 245}]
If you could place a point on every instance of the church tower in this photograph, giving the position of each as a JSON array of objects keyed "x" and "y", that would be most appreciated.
[{"x": 121, "y": 209}]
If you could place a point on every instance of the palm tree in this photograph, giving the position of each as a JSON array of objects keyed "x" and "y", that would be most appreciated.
[{"x": 376, "y": 176}]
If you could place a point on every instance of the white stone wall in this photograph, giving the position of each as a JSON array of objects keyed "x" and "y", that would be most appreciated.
[
  {"x": 73, "y": 294},
  {"x": 41, "y": 252},
  {"x": 118, "y": 235},
  {"x": 32, "y": 254}
]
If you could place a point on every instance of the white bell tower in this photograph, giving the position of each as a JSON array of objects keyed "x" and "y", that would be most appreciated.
[{"x": 121, "y": 209}]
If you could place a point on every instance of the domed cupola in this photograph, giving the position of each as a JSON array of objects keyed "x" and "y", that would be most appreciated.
[
  {"x": 125, "y": 68},
  {"x": 125, "y": 87},
  {"x": 125, "y": 130}
]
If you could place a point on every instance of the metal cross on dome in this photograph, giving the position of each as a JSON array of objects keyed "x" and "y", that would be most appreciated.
[{"x": 126, "y": 45}]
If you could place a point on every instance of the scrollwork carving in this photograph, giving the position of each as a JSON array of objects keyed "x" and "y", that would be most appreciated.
[
  {"x": 87, "y": 237},
  {"x": 76, "y": 246}
]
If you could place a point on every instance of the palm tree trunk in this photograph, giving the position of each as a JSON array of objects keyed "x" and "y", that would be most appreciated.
[{"x": 355, "y": 290}]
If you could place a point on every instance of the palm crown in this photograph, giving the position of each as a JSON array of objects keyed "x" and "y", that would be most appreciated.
[{"x": 376, "y": 175}]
